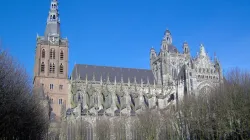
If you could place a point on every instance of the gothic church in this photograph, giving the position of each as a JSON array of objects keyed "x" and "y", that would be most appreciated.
[{"x": 112, "y": 91}]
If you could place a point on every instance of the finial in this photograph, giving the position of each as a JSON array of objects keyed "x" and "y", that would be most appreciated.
[
  {"x": 77, "y": 75},
  {"x": 202, "y": 50},
  {"x": 115, "y": 80},
  {"x": 135, "y": 80},
  {"x": 128, "y": 81},
  {"x": 86, "y": 80},
  {"x": 135, "y": 87},
  {"x": 37, "y": 36},
  {"x": 101, "y": 80},
  {"x": 93, "y": 76},
  {"x": 108, "y": 78},
  {"x": 135, "y": 83},
  {"x": 147, "y": 80},
  {"x": 141, "y": 82},
  {"x": 122, "y": 79},
  {"x": 215, "y": 57},
  {"x": 167, "y": 31},
  {"x": 121, "y": 87}
]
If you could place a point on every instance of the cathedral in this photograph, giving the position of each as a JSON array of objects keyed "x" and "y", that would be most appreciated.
[{"x": 92, "y": 91}]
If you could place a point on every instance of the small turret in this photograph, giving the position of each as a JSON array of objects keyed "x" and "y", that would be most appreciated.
[
  {"x": 215, "y": 58},
  {"x": 86, "y": 78},
  {"x": 128, "y": 81},
  {"x": 168, "y": 37},
  {"x": 101, "y": 80},
  {"x": 115, "y": 81},
  {"x": 152, "y": 53},
  {"x": 186, "y": 48},
  {"x": 53, "y": 21},
  {"x": 121, "y": 79},
  {"x": 202, "y": 51},
  {"x": 141, "y": 82},
  {"x": 93, "y": 77},
  {"x": 108, "y": 81}
]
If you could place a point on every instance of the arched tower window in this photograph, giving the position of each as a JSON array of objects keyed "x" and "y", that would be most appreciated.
[
  {"x": 52, "y": 54},
  {"x": 42, "y": 67},
  {"x": 54, "y": 16},
  {"x": 43, "y": 53},
  {"x": 61, "y": 68},
  {"x": 61, "y": 55},
  {"x": 50, "y": 68},
  {"x": 53, "y": 68}
]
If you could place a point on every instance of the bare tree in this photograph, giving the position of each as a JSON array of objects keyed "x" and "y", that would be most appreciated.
[
  {"x": 149, "y": 124},
  {"x": 22, "y": 115},
  {"x": 120, "y": 128},
  {"x": 103, "y": 128},
  {"x": 222, "y": 113}
]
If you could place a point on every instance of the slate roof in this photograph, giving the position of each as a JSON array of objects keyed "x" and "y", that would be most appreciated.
[
  {"x": 112, "y": 72},
  {"x": 172, "y": 49}
]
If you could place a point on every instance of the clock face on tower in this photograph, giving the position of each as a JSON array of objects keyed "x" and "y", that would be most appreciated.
[{"x": 53, "y": 39}]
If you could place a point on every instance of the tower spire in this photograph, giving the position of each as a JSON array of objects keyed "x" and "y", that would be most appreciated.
[{"x": 53, "y": 21}]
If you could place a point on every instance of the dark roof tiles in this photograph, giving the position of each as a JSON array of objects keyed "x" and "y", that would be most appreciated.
[{"x": 113, "y": 73}]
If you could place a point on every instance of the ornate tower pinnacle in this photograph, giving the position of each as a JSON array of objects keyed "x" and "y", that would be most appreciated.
[
  {"x": 202, "y": 51},
  {"x": 168, "y": 37},
  {"x": 53, "y": 21},
  {"x": 186, "y": 48},
  {"x": 166, "y": 41}
]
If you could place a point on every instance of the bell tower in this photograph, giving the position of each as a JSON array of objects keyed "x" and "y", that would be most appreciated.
[
  {"x": 166, "y": 41},
  {"x": 51, "y": 62}
]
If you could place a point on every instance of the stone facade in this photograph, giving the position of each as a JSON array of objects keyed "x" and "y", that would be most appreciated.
[
  {"x": 191, "y": 74},
  {"x": 111, "y": 91},
  {"x": 97, "y": 91},
  {"x": 51, "y": 62}
]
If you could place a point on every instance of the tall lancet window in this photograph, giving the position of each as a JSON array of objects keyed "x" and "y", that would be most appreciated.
[
  {"x": 61, "y": 55},
  {"x": 50, "y": 68},
  {"x": 43, "y": 53},
  {"x": 54, "y": 16},
  {"x": 52, "y": 54},
  {"x": 61, "y": 68},
  {"x": 53, "y": 6},
  {"x": 42, "y": 67},
  {"x": 53, "y": 68}
]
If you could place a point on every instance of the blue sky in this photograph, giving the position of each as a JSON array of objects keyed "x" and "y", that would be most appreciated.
[{"x": 121, "y": 32}]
